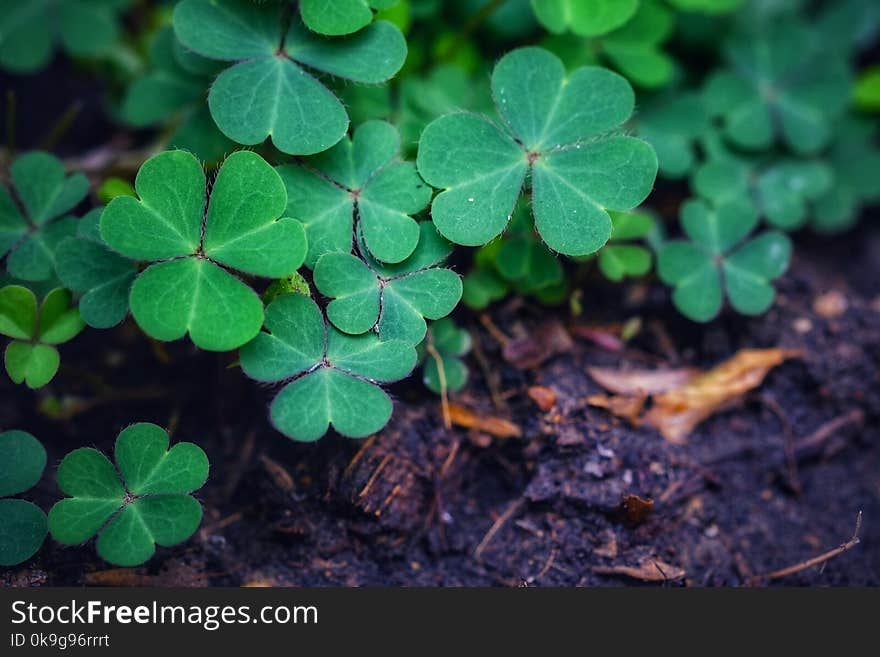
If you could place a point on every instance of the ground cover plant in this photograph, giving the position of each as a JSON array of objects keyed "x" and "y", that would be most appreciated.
[{"x": 333, "y": 195}]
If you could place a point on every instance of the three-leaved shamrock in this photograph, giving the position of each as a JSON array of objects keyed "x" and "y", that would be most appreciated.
[
  {"x": 22, "y": 523},
  {"x": 32, "y": 358},
  {"x": 332, "y": 376},
  {"x": 29, "y": 233},
  {"x": 393, "y": 299},
  {"x": 718, "y": 260},
  {"x": 189, "y": 287},
  {"x": 144, "y": 501},
  {"x": 557, "y": 127},
  {"x": 363, "y": 180},
  {"x": 267, "y": 90}
]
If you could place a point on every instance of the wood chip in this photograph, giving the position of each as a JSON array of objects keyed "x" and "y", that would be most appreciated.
[{"x": 490, "y": 424}]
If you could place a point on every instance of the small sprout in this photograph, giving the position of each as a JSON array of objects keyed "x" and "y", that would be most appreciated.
[
  {"x": 468, "y": 156},
  {"x": 782, "y": 85},
  {"x": 31, "y": 358},
  {"x": 144, "y": 501},
  {"x": 395, "y": 299},
  {"x": 717, "y": 256},
  {"x": 783, "y": 191},
  {"x": 620, "y": 257},
  {"x": 362, "y": 178},
  {"x": 88, "y": 267},
  {"x": 22, "y": 523},
  {"x": 444, "y": 346},
  {"x": 29, "y": 31},
  {"x": 30, "y": 232},
  {"x": 332, "y": 375},
  {"x": 189, "y": 288},
  {"x": 266, "y": 90},
  {"x": 586, "y": 18},
  {"x": 340, "y": 17}
]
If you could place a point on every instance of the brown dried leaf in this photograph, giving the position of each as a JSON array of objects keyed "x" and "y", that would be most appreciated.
[
  {"x": 547, "y": 341},
  {"x": 677, "y": 412},
  {"x": 648, "y": 570},
  {"x": 629, "y": 408},
  {"x": 646, "y": 382},
  {"x": 635, "y": 510},
  {"x": 545, "y": 398},
  {"x": 495, "y": 426}
]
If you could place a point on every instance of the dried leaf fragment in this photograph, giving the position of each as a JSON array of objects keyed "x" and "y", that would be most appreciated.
[
  {"x": 634, "y": 382},
  {"x": 625, "y": 406},
  {"x": 550, "y": 339},
  {"x": 495, "y": 426},
  {"x": 648, "y": 570},
  {"x": 544, "y": 397}
]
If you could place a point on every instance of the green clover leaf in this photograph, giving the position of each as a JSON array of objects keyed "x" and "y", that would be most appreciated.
[
  {"x": 781, "y": 85},
  {"x": 444, "y": 346},
  {"x": 717, "y": 257},
  {"x": 482, "y": 287},
  {"x": 22, "y": 523},
  {"x": 87, "y": 266},
  {"x": 30, "y": 30},
  {"x": 31, "y": 358},
  {"x": 707, "y": 6},
  {"x": 559, "y": 132},
  {"x": 782, "y": 191},
  {"x": 586, "y": 18},
  {"x": 173, "y": 90},
  {"x": 146, "y": 502},
  {"x": 340, "y": 17},
  {"x": 189, "y": 289},
  {"x": 673, "y": 126},
  {"x": 620, "y": 257},
  {"x": 267, "y": 91},
  {"x": 30, "y": 232},
  {"x": 393, "y": 299},
  {"x": 332, "y": 375},
  {"x": 361, "y": 178}
]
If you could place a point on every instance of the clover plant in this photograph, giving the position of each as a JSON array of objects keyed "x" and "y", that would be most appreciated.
[
  {"x": 268, "y": 89},
  {"x": 587, "y": 18},
  {"x": 331, "y": 378},
  {"x": 623, "y": 257},
  {"x": 22, "y": 523},
  {"x": 443, "y": 349},
  {"x": 718, "y": 262},
  {"x": 558, "y": 128},
  {"x": 340, "y": 17},
  {"x": 195, "y": 245},
  {"x": 32, "y": 358},
  {"x": 144, "y": 501},
  {"x": 31, "y": 29},
  {"x": 33, "y": 215}
]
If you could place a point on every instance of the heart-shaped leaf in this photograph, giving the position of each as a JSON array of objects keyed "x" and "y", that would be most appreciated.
[
  {"x": 340, "y": 17},
  {"x": 620, "y": 257},
  {"x": 361, "y": 178},
  {"x": 150, "y": 505},
  {"x": 442, "y": 351},
  {"x": 22, "y": 461},
  {"x": 191, "y": 291},
  {"x": 334, "y": 374},
  {"x": 588, "y": 18},
  {"x": 22, "y": 523},
  {"x": 268, "y": 91},
  {"x": 560, "y": 132}
]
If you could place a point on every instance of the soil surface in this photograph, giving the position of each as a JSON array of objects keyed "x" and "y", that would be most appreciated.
[{"x": 773, "y": 481}]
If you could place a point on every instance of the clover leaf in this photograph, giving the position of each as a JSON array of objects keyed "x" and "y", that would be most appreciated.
[
  {"x": 22, "y": 523},
  {"x": 87, "y": 266},
  {"x": 443, "y": 348},
  {"x": 267, "y": 91},
  {"x": 855, "y": 162},
  {"x": 559, "y": 132},
  {"x": 620, "y": 257},
  {"x": 340, "y": 17},
  {"x": 393, "y": 299},
  {"x": 520, "y": 257},
  {"x": 707, "y": 6},
  {"x": 717, "y": 257},
  {"x": 482, "y": 287},
  {"x": 189, "y": 288},
  {"x": 31, "y": 357},
  {"x": 673, "y": 126},
  {"x": 332, "y": 376},
  {"x": 587, "y": 18},
  {"x": 783, "y": 190},
  {"x": 30, "y": 231},
  {"x": 361, "y": 178},
  {"x": 144, "y": 501},
  {"x": 30, "y": 30},
  {"x": 781, "y": 85},
  {"x": 173, "y": 90}
]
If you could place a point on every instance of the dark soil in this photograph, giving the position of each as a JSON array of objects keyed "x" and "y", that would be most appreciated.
[{"x": 422, "y": 505}]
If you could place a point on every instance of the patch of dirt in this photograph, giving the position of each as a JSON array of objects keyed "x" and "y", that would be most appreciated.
[{"x": 767, "y": 484}]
